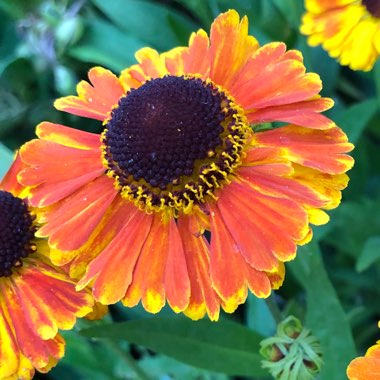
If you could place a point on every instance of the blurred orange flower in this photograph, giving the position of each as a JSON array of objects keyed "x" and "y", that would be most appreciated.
[
  {"x": 36, "y": 298},
  {"x": 348, "y": 29},
  {"x": 366, "y": 367},
  {"x": 178, "y": 161}
]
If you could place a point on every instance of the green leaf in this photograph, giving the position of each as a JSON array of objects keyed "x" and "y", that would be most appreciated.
[
  {"x": 224, "y": 347},
  {"x": 365, "y": 213},
  {"x": 18, "y": 8},
  {"x": 157, "y": 25},
  {"x": 105, "y": 44},
  {"x": 201, "y": 9},
  {"x": 376, "y": 73},
  {"x": 91, "y": 360},
  {"x": 167, "y": 368},
  {"x": 326, "y": 67},
  {"x": 6, "y": 158},
  {"x": 9, "y": 41},
  {"x": 354, "y": 119},
  {"x": 292, "y": 10},
  {"x": 259, "y": 317},
  {"x": 325, "y": 316},
  {"x": 370, "y": 253}
]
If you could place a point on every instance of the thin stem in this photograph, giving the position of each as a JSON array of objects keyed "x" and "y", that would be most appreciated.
[
  {"x": 130, "y": 361},
  {"x": 274, "y": 309}
]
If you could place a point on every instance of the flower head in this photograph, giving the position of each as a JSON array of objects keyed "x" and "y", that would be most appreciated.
[
  {"x": 293, "y": 353},
  {"x": 366, "y": 367},
  {"x": 347, "y": 29},
  {"x": 36, "y": 298},
  {"x": 178, "y": 161}
]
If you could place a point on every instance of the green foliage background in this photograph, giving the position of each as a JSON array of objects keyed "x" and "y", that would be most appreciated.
[{"x": 47, "y": 46}]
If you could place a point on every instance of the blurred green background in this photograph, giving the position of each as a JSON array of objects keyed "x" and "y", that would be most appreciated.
[{"x": 47, "y": 46}]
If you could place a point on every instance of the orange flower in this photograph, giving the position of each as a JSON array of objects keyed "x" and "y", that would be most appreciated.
[
  {"x": 130, "y": 210},
  {"x": 36, "y": 298},
  {"x": 348, "y": 29},
  {"x": 367, "y": 367}
]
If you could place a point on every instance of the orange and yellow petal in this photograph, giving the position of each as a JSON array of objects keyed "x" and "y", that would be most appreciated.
[
  {"x": 328, "y": 185},
  {"x": 316, "y": 6},
  {"x": 160, "y": 271},
  {"x": 96, "y": 99},
  {"x": 346, "y": 29},
  {"x": 227, "y": 266},
  {"x": 230, "y": 47},
  {"x": 323, "y": 150},
  {"x": 110, "y": 226},
  {"x": 72, "y": 222},
  {"x": 176, "y": 277},
  {"x": 48, "y": 297},
  {"x": 272, "y": 225},
  {"x": 366, "y": 367},
  {"x": 203, "y": 298},
  {"x": 150, "y": 65},
  {"x": 196, "y": 59},
  {"x": 264, "y": 80},
  {"x": 50, "y": 179},
  {"x": 305, "y": 113},
  {"x": 110, "y": 273},
  {"x": 360, "y": 50},
  {"x": 35, "y": 302}
]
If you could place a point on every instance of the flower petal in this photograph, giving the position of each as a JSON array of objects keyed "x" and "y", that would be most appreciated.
[
  {"x": 74, "y": 220},
  {"x": 111, "y": 271},
  {"x": 319, "y": 149},
  {"x": 203, "y": 298},
  {"x": 151, "y": 63},
  {"x": 230, "y": 48},
  {"x": 227, "y": 266},
  {"x": 176, "y": 280},
  {"x": 160, "y": 271},
  {"x": 9, "y": 352},
  {"x": 59, "y": 169},
  {"x": 66, "y": 136},
  {"x": 196, "y": 59},
  {"x": 304, "y": 113},
  {"x": 271, "y": 225},
  {"x": 94, "y": 100},
  {"x": 366, "y": 368},
  {"x": 148, "y": 275},
  {"x": 48, "y": 298}
]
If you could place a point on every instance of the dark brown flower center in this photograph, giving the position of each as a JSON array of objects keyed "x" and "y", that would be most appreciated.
[
  {"x": 16, "y": 232},
  {"x": 172, "y": 141},
  {"x": 160, "y": 129},
  {"x": 373, "y": 7}
]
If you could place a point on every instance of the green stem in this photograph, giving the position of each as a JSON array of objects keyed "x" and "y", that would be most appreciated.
[
  {"x": 130, "y": 361},
  {"x": 274, "y": 309}
]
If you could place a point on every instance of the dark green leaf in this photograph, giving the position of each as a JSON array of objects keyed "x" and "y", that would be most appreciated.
[
  {"x": 201, "y": 9},
  {"x": 364, "y": 213},
  {"x": 292, "y": 10},
  {"x": 107, "y": 45},
  {"x": 6, "y": 158},
  {"x": 376, "y": 73},
  {"x": 91, "y": 360},
  {"x": 370, "y": 253},
  {"x": 150, "y": 22},
  {"x": 354, "y": 119},
  {"x": 325, "y": 315},
  {"x": 222, "y": 347},
  {"x": 259, "y": 317}
]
